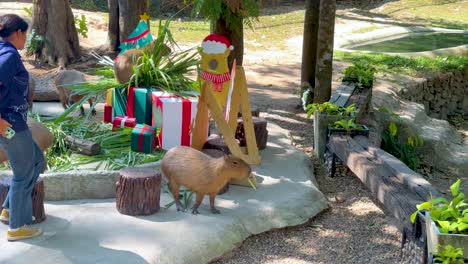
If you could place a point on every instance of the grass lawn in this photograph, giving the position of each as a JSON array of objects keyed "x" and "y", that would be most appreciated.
[
  {"x": 436, "y": 13},
  {"x": 269, "y": 32}
]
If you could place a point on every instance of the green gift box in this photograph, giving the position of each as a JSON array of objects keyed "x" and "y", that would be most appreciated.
[
  {"x": 119, "y": 101},
  {"x": 139, "y": 104},
  {"x": 143, "y": 138}
]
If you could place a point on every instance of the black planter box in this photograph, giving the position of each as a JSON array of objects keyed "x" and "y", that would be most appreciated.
[{"x": 352, "y": 132}]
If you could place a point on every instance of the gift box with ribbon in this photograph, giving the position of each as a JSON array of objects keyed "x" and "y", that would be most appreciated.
[
  {"x": 123, "y": 121},
  {"x": 108, "y": 113},
  {"x": 143, "y": 139},
  {"x": 139, "y": 104},
  {"x": 174, "y": 116}
]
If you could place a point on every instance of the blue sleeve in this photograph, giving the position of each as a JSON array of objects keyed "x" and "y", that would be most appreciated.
[{"x": 8, "y": 68}]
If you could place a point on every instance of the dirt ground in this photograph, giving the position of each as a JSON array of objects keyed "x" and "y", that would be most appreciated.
[{"x": 354, "y": 229}]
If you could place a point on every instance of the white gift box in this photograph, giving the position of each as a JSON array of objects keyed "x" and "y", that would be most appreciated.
[{"x": 174, "y": 117}]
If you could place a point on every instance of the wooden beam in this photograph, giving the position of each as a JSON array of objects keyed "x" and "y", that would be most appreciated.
[
  {"x": 391, "y": 182},
  {"x": 200, "y": 130},
  {"x": 224, "y": 128},
  {"x": 251, "y": 142}
]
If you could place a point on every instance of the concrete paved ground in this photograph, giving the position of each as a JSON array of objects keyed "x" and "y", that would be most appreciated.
[{"x": 92, "y": 231}]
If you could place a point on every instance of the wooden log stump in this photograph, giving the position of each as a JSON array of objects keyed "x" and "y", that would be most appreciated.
[
  {"x": 138, "y": 191},
  {"x": 83, "y": 146},
  {"x": 261, "y": 132},
  {"x": 215, "y": 142},
  {"x": 37, "y": 198},
  {"x": 215, "y": 153}
]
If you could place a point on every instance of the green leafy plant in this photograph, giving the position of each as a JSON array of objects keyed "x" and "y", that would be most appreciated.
[
  {"x": 361, "y": 73},
  {"x": 449, "y": 216},
  {"x": 347, "y": 124},
  {"x": 33, "y": 42},
  {"x": 406, "y": 152},
  {"x": 233, "y": 12},
  {"x": 116, "y": 153},
  {"x": 28, "y": 11},
  {"x": 168, "y": 72},
  {"x": 81, "y": 26},
  {"x": 330, "y": 109},
  {"x": 185, "y": 197},
  {"x": 449, "y": 255}
]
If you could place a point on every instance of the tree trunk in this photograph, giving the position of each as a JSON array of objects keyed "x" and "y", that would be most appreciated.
[
  {"x": 235, "y": 36},
  {"x": 113, "y": 34},
  {"x": 324, "y": 66},
  {"x": 309, "y": 47},
  {"x": 124, "y": 16},
  {"x": 54, "y": 20}
]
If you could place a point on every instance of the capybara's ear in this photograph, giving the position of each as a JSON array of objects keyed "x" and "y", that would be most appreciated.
[{"x": 226, "y": 157}]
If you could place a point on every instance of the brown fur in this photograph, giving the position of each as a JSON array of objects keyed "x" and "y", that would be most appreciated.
[
  {"x": 200, "y": 173},
  {"x": 123, "y": 66},
  {"x": 66, "y": 96}
]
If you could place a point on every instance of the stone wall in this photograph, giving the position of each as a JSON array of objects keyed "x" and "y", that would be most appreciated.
[{"x": 442, "y": 95}]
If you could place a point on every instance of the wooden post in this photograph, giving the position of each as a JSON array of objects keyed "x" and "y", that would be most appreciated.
[
  {"x": 200, "y": 130},
  {"x": 252, "y": 147},
  {"x": 235, "y": 99}
]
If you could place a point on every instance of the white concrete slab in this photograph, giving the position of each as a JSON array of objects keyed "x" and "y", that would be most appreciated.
[{"x": 92, "y": 231}]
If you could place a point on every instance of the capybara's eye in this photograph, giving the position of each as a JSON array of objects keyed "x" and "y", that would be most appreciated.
[{"x": 235, "y": 163}]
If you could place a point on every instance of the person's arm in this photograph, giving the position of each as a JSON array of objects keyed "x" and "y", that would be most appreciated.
[{"x": 8, "y": 67}]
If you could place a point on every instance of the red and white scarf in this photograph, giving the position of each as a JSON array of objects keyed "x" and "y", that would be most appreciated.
[{"x": 216, "y": 79}]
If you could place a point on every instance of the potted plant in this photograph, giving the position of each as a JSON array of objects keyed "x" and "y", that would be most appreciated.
[
  {"x": 361, "y": 74},
  {"x": 446, "y": 221},
  {"x": 348, "y": 127},
  {"x": 448, "y": 255},
  {"x": 324, "y": 114}
]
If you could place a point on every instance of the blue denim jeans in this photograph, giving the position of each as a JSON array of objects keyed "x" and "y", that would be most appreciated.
[{"x": 27, "y": 162}]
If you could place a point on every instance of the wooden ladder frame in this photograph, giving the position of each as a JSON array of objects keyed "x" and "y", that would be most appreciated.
[{"x": 240, "y": 98}]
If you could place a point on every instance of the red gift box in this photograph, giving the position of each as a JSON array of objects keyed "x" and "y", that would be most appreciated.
[
  {"x": 108, "y": 113},
  {"x": 124, "y": 121}
]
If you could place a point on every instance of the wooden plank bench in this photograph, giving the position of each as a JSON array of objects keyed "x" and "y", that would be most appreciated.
[{"x": 391, "y": 182}]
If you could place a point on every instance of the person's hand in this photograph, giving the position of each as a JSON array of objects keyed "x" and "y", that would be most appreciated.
[{"x": 3, "y": 126}]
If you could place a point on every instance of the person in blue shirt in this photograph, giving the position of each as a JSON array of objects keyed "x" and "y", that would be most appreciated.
[{"x": 25, "y": 157}]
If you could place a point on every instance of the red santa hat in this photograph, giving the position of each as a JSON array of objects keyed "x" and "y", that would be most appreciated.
[{"x": 216, "y": 44}]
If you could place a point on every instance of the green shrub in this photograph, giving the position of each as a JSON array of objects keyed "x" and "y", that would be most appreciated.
[
  {"x": 361, "y": 74},
  {"x": 81, "y": 26}
]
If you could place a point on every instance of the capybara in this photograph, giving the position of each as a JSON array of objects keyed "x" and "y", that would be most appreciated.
[
  {"x": 66, "y": 95},
  {"x": 123, "y": 65},
  {"x": 200, "y": 173}
]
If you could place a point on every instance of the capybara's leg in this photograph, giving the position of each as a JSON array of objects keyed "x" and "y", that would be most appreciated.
[
  {"x": 197, "y": 203},
  {"x": 90, "y": 102},
  {"x": 212, "y": 204},
  {"x": 82, "y": 111},
  {"x": 174, "y": 188}
]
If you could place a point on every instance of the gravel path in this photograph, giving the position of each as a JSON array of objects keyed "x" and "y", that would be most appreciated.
[{"x": 353, "y": 230}]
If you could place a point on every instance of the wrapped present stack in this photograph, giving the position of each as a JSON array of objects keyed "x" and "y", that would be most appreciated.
[{"x": 148, "y": 111}]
